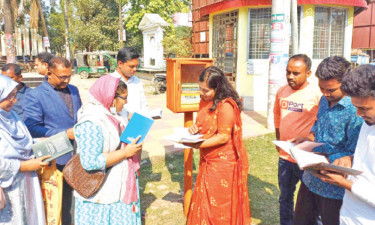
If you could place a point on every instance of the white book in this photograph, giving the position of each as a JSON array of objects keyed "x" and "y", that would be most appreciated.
[
  {"x": 155, "y": 113},
  {"x": 308, "y": 160},
  {"x": 181, "y": 134}
]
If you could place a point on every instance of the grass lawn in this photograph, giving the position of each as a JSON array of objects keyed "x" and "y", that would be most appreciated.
[{"x": 161, "y": 185}]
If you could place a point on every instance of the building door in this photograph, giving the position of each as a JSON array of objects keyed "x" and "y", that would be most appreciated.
[{"x": 224, "y": 46}]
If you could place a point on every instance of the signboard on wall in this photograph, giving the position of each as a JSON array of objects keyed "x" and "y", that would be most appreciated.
[{"x": 278, "y": 49}]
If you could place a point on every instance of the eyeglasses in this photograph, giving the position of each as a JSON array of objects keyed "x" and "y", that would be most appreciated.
[
  {"x": 62, "y": 78},
  {"x": 11, "y": 97},
  {"x": 123, "y": 98}
]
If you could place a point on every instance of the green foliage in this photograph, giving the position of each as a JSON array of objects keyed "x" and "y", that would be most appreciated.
[
  {"x": 55, "y": 32},
  {"x": 94, "y": 26},
  {"x": 178, "y": 44},
  {"x": 165, "y": 8}
]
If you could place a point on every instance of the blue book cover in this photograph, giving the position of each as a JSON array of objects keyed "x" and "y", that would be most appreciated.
[{"x": 138, "y": 125}]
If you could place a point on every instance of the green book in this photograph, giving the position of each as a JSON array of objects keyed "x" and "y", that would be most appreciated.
[{"x": 56, "y": 146}]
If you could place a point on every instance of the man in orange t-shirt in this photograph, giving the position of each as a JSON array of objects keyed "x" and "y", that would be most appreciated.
[{"x": 295, "y": 111}]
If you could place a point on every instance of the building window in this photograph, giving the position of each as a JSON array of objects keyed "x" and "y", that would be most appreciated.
[
  {"x": 260, "y": 33},
  {"x": 224, "y": 46},
  {"x": 329, "y": 32}
]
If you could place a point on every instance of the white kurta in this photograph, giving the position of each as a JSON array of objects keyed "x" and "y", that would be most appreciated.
[{"x": 359, "y": 203}]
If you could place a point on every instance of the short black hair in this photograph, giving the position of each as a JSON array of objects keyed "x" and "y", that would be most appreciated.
[
  {"x": 360, "y": 82},
  {"x": 52, "y": 64},
  {"x": 12, "y": 66},
  {"x": 121, "y": 88},
  {"x": 44, "y": 57},
  {"x": 332, "y": 68},
  {"x": 304, "y": 58},
  {"x": 127, "y": 53}
]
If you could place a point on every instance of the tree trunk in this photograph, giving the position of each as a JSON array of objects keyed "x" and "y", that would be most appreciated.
[
  {"x": 45, "y": 32},
  {"x": 9, "y": 30},
  {"x": 66, "y": 29},
  {"x": 120, "y": 23}
]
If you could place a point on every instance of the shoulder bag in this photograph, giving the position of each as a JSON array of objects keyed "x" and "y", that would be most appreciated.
[{"x": 86, "y": 183}]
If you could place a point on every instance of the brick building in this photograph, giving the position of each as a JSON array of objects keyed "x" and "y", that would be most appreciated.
[{"x": 364, "y": 30}]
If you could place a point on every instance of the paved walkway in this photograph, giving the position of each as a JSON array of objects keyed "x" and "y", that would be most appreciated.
[{"x": 154, "y": 146}]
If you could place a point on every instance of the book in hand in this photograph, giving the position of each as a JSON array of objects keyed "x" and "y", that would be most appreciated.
[
  {"x": 312, "y": 161},
  {"x": 56, "y": 146},
  {"x": 138, "y": 125},
  {"x": 308, "y": 160},
  {"x": 306, "y": 145},
  {"x": 182, "y": 135}
]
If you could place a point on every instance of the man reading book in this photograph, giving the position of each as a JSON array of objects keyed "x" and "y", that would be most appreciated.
[
  {"x": 359, "y": 200},
  {"x": 52, "y": 108},
  {"x": 337, "y": 126},
  {"x": 295, "y": 110}
]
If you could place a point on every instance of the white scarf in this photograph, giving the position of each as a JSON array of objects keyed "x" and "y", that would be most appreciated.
[
  {"x": 16, "y": 140},
  {"x": 15, "y": 144},
  {"x": 114, "y": 187}
]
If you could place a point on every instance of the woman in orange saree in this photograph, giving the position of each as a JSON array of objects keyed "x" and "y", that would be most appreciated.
[{"x": 220, "y": 195}]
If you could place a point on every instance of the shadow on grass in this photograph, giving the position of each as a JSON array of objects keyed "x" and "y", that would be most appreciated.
[
  {"x": 169, "y": 171},
  {"x": 172, "y": 171},
  {"x": 146, "y": 175},
  {"x": 263, "y": 201},
  {"x": 262, "y": 179}
]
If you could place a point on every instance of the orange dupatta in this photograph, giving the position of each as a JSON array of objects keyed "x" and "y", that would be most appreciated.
[{"x": 221, "y": 195}]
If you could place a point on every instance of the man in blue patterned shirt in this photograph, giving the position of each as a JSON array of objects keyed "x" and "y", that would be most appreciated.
[{"x": 337, "y": 126}]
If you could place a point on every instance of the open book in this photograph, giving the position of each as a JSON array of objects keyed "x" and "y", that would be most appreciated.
[
  {"x": 56, "y": 146},
  {"x": 182, "y": 135},
  {"x": 308, "y": 160},
  {"x": 138, "y": 125},
  {"x": 155, "y": 113}
]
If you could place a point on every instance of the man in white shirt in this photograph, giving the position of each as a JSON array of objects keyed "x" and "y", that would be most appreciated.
[
  {"x": 127, "y": 63},
  {"x": 359, "y": 200}
]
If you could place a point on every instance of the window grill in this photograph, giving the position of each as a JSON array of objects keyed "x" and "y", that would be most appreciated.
[
  {"x": 329, "y": 32},
  {"x": 337, "y": 31},
  {"x": 260, "y": 33},
  {"x": 224, "y": 47}
]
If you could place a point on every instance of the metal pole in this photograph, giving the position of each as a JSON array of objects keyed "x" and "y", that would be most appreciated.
[
  {"x": 279, "y": 52},
  {"x": 294, "y": 21},
  {"x": 188, "y": 167}
]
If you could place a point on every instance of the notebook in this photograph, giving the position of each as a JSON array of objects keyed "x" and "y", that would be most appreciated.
[{"x": 138, "y": 125}]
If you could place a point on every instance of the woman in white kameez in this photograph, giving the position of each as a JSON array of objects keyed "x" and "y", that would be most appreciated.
[{"x": 18, "y": 180}]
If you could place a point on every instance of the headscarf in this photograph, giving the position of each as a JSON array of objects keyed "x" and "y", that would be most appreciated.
[
  {"x": 101, "y": 96},
  {"x": 18, "y": 141},
  {"x": 6, "y": 86},
  {"x": 104, "y": 91}
]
